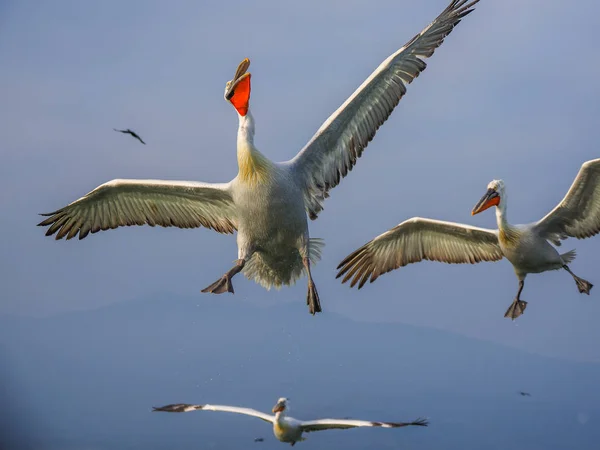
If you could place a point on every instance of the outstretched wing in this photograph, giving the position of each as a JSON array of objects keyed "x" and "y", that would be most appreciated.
[
  {"x": 186, "y": 407},
  {"x": 135, "y": 135},
  {"x": 183, "y": 204},
  {"x": 578, "y": 214},
  {"x": 177, "y": 407},
  {"x": 328, "y": 424},
  {"x": 333, "y": 150},
  {"x": 417, "y": 239}
]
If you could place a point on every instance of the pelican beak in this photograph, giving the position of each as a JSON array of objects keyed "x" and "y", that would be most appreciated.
[
  {"x": 237, "y": 91},
  {"x": 280, "y": 406},
  {"x": 491, "y": 198}
]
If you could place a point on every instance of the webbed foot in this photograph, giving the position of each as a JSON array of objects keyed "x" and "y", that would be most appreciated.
[
  {"x": 220, "y": 286},
  {"x": 516, "y": 309},
  {"x": 312, "y": 299},
  {"x": 584, "y": 286}
]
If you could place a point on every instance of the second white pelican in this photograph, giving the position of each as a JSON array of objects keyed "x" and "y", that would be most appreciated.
[
  {"x": 266, "y": 202},
  {"x": 285, "y": 428},
  {"x": 527, "y": 247}
]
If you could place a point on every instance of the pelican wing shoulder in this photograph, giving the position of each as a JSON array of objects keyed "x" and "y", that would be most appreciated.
[
  {"x": 333, "y": 150},
  {"x": 578, "y": 214},
  {"x": 328, "y": 424},
  {"x": 183, "y": 204},
  {"x": 185, "y": 407},
  {"x": 417, "y": 239}
]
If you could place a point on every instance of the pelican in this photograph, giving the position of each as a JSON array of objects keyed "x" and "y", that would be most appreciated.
[
  {"x": 285, "y": 428},
  {"x": 267, "y": 202},
  {"x": 527, "y": 247}
]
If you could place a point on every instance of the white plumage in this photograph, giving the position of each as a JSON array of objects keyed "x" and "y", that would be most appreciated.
[
  {"x": 285, "y": 428},
  {"x": 266, "y": 202},
  {"x": 527, "y": 247}
]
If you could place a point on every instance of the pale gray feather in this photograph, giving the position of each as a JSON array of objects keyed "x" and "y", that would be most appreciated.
[
  {"x": 184, "y": 407},
  {"x": 183, "y": 204},
  {"x": 578, "y": 214},
  {"x": 333, "y": 150},
  {"x": 417, "y": 239},
  {"x": 328, "y": 424}
]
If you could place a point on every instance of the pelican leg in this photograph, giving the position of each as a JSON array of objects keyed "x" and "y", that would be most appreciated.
[
  {"x": 584, "y": 286},
  {"x": 223, "y": 284},
  {"x": 518, "y": 306},
  {"x": 312, "y": 297}
]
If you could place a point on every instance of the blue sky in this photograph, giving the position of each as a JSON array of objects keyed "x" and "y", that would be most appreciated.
[{"x": 511, "y": 94}]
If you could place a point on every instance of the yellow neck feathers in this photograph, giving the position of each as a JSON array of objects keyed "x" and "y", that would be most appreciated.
[
  {"x": 508, "y": 236},
  {"x": 254, "y": 168}
]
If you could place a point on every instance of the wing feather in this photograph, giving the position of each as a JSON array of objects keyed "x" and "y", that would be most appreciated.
[
  {"x": 118, "y": 203},
  {"x": 334, "y": 149},
  {"x": 415, "y": 240},
  {"x": 578, "y": 214},
  {"x": 186, "y": 407},
  {"x": 328, "y": 424}
]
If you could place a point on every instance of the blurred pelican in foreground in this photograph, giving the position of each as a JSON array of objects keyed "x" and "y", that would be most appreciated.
[
  {"x": 288, "y": 429},
  {"x": 527, "y": 247},
  {"x": 266, "y": 202}
]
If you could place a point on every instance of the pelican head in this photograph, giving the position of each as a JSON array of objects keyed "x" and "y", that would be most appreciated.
[
  {"x": 281, "y": 405},
  {"x": 495, "y": 192},
  {"x": 237, "y": 91}
]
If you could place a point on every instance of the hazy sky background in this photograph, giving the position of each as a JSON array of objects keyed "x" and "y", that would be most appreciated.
[{"x": 512, "y": 93}]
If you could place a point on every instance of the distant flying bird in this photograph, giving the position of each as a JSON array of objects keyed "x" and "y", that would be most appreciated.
[
  {"x": 266, "y": 202},
  {"x": 525, "y": 394},
  {"x": 527, "y": 247},
  {"x": 258, "y": 440},
  {"x": 288, "y": 429},
  {"x": 133, "y": 133}
]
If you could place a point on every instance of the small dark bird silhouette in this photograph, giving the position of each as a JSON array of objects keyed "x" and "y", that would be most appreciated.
[
  {"x": 525, "y": 394},
  {"x": 128, "y": 131},
  {"x": 258, "y": 439}
]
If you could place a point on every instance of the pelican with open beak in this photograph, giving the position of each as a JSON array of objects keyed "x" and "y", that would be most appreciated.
[
  {"x": 237, "y": 91},
  {"x": 267, "y": 203}
]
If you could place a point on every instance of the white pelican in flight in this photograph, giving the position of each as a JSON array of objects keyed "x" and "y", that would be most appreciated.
[
  {"x": 285, "y": 428},
  {"x": 266, "y": 202},
  {"x": 527, "y": 247}
]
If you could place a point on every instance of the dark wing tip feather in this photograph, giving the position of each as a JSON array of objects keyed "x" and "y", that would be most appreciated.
[
  {"x": 43, "y": 223},
  {"x": 175, "y": 407},
  {"x": 168, "y": 408},
  {"x": 421, "y": 422},
  {"x": 365, "y": 277},
  {"x": 51, "y": 219},
  {"x": 349, "y": 258},
  {"x": 358, "y": 266}
]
